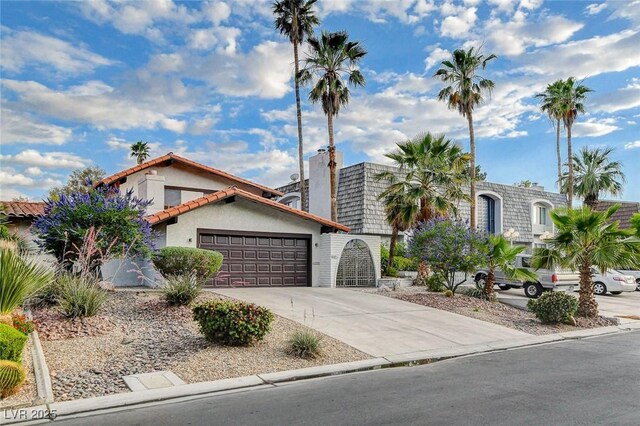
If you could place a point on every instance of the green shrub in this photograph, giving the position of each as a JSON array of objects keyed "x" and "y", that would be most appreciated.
[
  {"x": 232, "y": 323},
  {"x": 182, "y": 289},
  {"x": 45, "y": 296},
  {"x": 187, "y": 260},
  {"x": 392, "y": 272},
  {"x": 400, "y": 261},
  {"x": 434, "y": 283},
  {"x": 12, "y": 376},
  {"x": 79, "y": 296},
  {"x": 19, "y": 279},
  {"x": 554, "y": 307},
  {"x": 12, "y": 343},
  {"x": 478, "y": 293},
  {"x": 304, "y": 343},
  {"x": 447, "y": 293}
]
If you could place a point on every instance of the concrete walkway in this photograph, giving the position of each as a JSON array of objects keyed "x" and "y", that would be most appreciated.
[{"x": 375, "y": 324}]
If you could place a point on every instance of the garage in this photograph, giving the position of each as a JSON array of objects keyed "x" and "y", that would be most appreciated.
[{"x": 259, "y": 259}]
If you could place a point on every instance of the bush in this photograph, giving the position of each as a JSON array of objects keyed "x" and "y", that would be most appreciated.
[
  {"x": 12, "y": 376},
  {"x": 182, "y": 289},
  {"x": 305, "y": 343},
  {"x": 554, "y": 307},
  {"x": 434, "y": 283},
  {"x": 447, "y": 293},
  {"x": 479, "y": 293},
  {"x": 186, "y": 260},
  {"x": 19, "y": 279},
  {"x": 400, "y": 261},
  {"x": 392, "y": 272},
  {"x": 45, "y": 296},
  {"x": 232, "y": 323},
  {"x": 79, "y": 296},
  {"x": 23, "y": 324},
  {"x": 12, "y": 343}
]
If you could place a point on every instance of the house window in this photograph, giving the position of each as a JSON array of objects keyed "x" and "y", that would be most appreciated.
[
  {"x": 172, "y": 198},
  {"x": 542, "y": 215},
  {"x": 487, "y": 214}
]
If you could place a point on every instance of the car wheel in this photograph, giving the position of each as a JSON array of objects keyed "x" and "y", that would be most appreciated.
[
  {"x": 615, "y": 292},
  {"x": 599, "y": 288},
  {"x": 504, "y": 286},
  {"x": 533, "y": 290},
  {"x": 638, "y": 284},
  {"x": 480, "y": 280}
]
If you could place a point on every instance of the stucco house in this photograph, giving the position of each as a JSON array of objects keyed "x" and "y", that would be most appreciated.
[{"x": 499, "y": 207}]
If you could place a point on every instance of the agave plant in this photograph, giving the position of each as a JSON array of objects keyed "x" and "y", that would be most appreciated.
[{"x": 19, "y": 279}]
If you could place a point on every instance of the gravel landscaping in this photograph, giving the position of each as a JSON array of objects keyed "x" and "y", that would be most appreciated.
[
  {"x": 495, "y": 312},
  {"x": 137, "y": 332}
]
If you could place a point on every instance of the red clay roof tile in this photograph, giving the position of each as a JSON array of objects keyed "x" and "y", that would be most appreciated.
[{"x": 22, "y": 209}]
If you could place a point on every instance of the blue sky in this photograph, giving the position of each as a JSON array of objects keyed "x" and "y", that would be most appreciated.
[{"x": 81, "y": 81}]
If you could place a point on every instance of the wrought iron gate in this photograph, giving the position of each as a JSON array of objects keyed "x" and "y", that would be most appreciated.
[{"x": 356, "y": 268}]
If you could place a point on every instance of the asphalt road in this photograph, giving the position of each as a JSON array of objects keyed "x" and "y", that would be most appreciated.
[{"x": 590, "y": 381}]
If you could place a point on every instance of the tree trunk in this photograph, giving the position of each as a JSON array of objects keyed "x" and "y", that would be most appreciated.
[
  {"x": 488, "y": 284},
  {"x": 587, "y": 304},
  {"x": 332, "y": 170},
  {"x": 303, "y": 190},
  {"x": 392, "y": 246},
  {"x": 472, "y": 165},
  {"x": 559, "y": 155},
  {"x": 591, "y": 201},
  {"x": 570, "y": 161}
]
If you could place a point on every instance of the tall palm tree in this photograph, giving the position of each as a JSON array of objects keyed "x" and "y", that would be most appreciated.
[
  {"x": 433, "y": 173},
  {"x": 140, "y": 150},
  {"x": 551, "y": 104},
  {"x": 333, "y": 61},
  {"x": 586, "y": 238},
  {"x": 463, "y": 93},
  {"x": 295, "y": 19},
  {"x": 595, "y": 174},
  {"x": 400, "y": 211},
  {"x": 572, "y": 104}
]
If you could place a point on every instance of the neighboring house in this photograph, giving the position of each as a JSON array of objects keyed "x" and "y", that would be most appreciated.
[
  {"x": 499, "y": 207},
  {"x": 624, "y": 213},
  {"x": 20, "y": 215}
]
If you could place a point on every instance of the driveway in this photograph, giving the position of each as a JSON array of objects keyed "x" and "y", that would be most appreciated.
[
  {"x": 621, "y": 305},
  {"x": 374, "y": 324}
]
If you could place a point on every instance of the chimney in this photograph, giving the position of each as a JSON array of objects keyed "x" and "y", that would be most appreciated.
[
  {"x": 320, "y": 183},
  {"x": 151, "y": 187}
]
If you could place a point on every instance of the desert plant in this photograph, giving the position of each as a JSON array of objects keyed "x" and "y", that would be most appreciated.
[
  {"x": 79, "y": 296},
  {"x": 434, "y": 283},
  {"x": 391, "y": 272},
  {"x": 232, "y": 323},
  {"x": 182, "y": 289},
  {"x": 479, "y": 293},
  {"x": 12, "y": 343},
  {"x": 19, "y": 279},
  {"x": 447, "y": 293},
  {"x": 12, "y": 376},
  {"x": 23, "y": 324},
  {"x": 305, "y": 343},
  {"x": 554, "y": 307},
  {"x": 187, "y": 260}
]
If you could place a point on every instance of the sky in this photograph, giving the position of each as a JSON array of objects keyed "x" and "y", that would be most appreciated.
[{"x": 212, "y": 81}]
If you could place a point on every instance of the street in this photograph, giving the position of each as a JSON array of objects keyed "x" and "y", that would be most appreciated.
[{"x": 589, "y": 381}]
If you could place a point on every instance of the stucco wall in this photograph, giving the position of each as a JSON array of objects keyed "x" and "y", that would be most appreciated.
[
  {"x": 242, "y": 215},
  {"x": 330, "y": 251}
]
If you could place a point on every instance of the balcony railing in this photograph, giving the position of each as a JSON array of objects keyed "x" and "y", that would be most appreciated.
[{"x": 540, "y": 229}]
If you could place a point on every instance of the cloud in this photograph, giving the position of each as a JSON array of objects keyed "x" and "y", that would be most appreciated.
[
  {"x": 52, "y": 160},
  {"x": 632, "y": 145},
  {"x": 594, "y": 127},
  {"x": 21, "y": 49},
  {"x": 21, "y": 128},
  {"x": 436, "y": 55},
  {"x": 595, "y": 8},
  {"x": 7, "y": 194},
  {"x": 622, "y": 99},
  {"x": 458, "y": 26},
  {"x": 18, "y": 179}
]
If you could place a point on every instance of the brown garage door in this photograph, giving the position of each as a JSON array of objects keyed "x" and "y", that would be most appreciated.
[{"x": 252, "y": 260}]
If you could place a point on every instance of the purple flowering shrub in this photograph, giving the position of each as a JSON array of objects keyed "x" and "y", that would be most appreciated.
[
  {"x": 448, "y": 246},
  {"x": 116, "y": 218}
]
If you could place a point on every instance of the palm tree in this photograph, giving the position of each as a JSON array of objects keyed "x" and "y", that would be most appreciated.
[
  {"x": 433, "y": 173},
  {"x": 400, "y": 212},
  {"x": 463, "y": 93},
  {"x": 333, "y": 60},
  {"x": 586, "y": 238},
  {"x": 572, "y": 104},
  {"x": 295, "y": 19},
  {"x": 502, "y": 255},
  {"x": 595, "y": 174},
  {"x": 551, "y": 105},
  {"x": 140, "y": 150}
]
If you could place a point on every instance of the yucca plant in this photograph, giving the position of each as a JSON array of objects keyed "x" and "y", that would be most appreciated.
[
  {"x": 305, "y": 343},
  {"x": 19, "y": 279}
]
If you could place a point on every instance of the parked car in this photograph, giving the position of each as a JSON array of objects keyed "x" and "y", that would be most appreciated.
[
  {"x": 548, "y": 279},
  {"x": 635, "y": 274},
  {"x": 612, "y": 281}
]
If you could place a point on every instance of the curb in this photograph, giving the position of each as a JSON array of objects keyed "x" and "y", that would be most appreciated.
[
  {"x": 123, "y": 400},
  {"x": 41, "y": 371}
]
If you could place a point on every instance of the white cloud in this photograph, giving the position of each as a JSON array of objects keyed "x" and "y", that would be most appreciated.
[
  {"x": 118, "y": 143},
  {"x": 436, "y": 55},
  {"x": 622, "y": 99},
  {"x": 33, "y": 171},
  {"x": 21, "y": 128},
  {"x": 458, "y": 26},
  {"x": 632, "y": 145},
  {"x": 217, "y": 12},
  {"x": 18, "y": 179},
  {"x": 7, "y": 194},
  {"x": 594, "y": 127},
  {"x": 595, "y": 8},
  {"x": 52, "y": 160},
  {"x": 26, "y": 48}
]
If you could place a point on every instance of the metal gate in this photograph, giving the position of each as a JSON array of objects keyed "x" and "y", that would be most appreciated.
[{"x": 356, "y": 267}]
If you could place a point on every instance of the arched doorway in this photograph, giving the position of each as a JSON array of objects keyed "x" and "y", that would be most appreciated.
[{"x": 356, "y": 267}]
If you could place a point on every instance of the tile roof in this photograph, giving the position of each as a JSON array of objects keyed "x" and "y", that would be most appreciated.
[
  {"x": 230, "y": 192},
  {"x": 22, "y": 209},
  {"x": 625, "y": 212},
  {"x": 171, "y": 157}
]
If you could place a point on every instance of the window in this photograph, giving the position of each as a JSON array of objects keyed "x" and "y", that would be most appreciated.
[
  {"x": 526, "y": 262},
  {"x": 542, "y": 215},
  {"x": 487, "y": 214},
  {"x": 172, "y": 198}
]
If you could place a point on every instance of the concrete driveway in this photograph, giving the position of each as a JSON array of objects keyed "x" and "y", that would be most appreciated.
[
  {"x": 375, "y": 324},
  {"x": 621, "y": 305}
]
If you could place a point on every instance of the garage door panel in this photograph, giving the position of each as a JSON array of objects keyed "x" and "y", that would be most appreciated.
[{"x": 250, "y": 260}]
